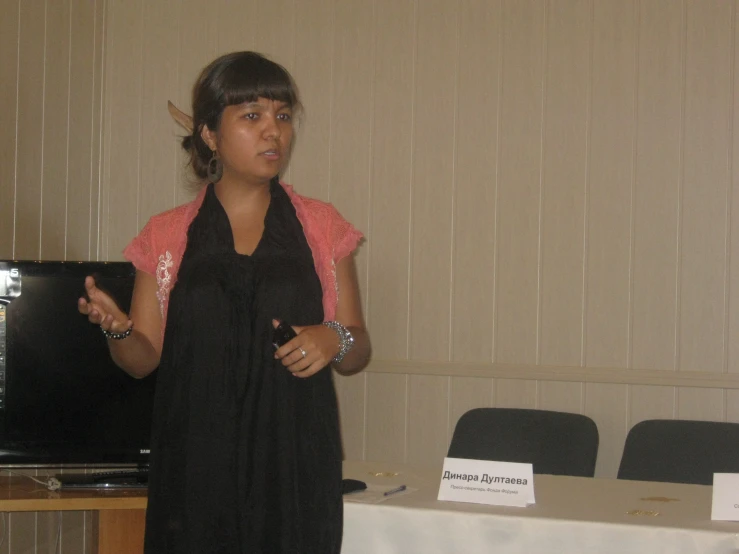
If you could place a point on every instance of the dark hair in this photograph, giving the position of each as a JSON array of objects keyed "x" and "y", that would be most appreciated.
[{"x": 232, "y": 79}]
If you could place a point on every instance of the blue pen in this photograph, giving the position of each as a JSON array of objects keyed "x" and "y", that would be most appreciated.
[{"x": 401, "y": 488}]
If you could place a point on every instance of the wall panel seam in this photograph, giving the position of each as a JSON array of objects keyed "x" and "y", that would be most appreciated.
[
  {"x": 43, "y": 136},
  {"x": 542, "y": 146},
  {"x": 331, "y": 103},
  {"x": 105, "y": 132},
  {"x": 586, "y": 192},
  {"x": 142, "y": 86},
  {"x": 69, "y": 109},
  {"x": 370, "y": 157},
  {"x": 680, "y": 183},
  {"x": 453, "y": 207},
  {"x": 496, "y": 219},
  {"x": 729, "y": 194},
  {"x": 409, "y": 283},
  {"x": 17, "y": 117},
  {"x": 632, "y": 199}
]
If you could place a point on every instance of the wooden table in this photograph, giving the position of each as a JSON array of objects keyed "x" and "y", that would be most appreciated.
[{"x": 119, "y": 514}]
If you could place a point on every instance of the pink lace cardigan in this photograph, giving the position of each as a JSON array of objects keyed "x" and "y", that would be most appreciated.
[{"x": 159, "y": 247}]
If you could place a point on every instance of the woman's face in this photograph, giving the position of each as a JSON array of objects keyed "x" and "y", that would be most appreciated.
[{"x": 253, "y": 141}]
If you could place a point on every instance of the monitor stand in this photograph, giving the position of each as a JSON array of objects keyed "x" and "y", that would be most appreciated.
[{"x": 118, "y": 479}]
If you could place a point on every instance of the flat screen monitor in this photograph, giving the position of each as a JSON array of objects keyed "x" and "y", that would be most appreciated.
[{"x": 63, "y": 401}]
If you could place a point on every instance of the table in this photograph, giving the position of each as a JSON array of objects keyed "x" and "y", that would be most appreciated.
[
  {"x": 571, "y": 515},
  {"x": 119, "y": 515}
]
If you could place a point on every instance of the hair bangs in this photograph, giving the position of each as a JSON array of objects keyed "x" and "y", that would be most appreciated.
[{"x": 252, "y": 78}]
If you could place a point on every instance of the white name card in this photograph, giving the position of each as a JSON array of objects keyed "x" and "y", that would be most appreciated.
[
  {"x": 725, "y": 505},
  {"x": 486, "y": 482}
]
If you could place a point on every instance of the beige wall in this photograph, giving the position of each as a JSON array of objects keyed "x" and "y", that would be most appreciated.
[
  {"x": 51, "y": 60},
  {"x": 547, "y": 187}
]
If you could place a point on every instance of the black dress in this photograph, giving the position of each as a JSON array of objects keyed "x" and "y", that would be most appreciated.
[{"x": 246, "y": 457}]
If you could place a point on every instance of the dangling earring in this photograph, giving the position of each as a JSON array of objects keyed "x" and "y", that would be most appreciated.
[{"x": 215, "y": 168}]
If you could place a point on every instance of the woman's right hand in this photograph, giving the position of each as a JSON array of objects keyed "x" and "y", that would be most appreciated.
[{"x": 102, "y": 310}]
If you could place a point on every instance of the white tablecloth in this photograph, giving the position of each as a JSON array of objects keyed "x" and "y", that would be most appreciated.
[{"x": 571, "y": 515}]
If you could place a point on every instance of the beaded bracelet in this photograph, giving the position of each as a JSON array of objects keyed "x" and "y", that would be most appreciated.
[
  {"x": 346, "y": 340},
  {"x": 117, "y": 336}
]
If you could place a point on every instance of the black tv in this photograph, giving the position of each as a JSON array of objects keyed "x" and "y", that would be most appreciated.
[{"x": 63, "y": 401}]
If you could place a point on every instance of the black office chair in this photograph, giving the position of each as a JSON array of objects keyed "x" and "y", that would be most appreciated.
[
  {"x": 556, "y": 443},
  {"x": 680, "y": 451}
]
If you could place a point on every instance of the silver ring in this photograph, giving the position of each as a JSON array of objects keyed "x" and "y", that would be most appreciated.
[{"x": 303, "y": 352}]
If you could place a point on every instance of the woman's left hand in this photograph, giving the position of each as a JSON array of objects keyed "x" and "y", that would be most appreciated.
[{"x": 309, "y": 352}]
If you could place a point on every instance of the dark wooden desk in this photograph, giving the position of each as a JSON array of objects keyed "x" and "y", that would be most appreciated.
[{"x": 119, "y": 515}]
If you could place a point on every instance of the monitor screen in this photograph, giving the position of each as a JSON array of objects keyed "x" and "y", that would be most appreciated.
[{"x": 63, "y": 401}]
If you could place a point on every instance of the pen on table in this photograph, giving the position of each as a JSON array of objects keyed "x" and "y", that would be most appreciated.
[{"x": 401, "y": 488}]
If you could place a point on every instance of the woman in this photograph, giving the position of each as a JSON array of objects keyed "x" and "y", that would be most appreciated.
[{"x": 246, "y": 453}]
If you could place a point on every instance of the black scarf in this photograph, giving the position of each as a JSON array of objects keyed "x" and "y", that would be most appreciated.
[{"x": 246, "y": 457}]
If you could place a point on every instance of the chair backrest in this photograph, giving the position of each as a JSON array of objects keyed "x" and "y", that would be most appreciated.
[
  {"x": 556, "y": 443},
  {"x": 680, "y": 451}
]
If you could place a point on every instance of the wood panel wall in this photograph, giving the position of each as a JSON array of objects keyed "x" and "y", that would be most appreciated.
[
  {"x": 546, "y": 187},
  {"x": 51, "y": 76}
]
